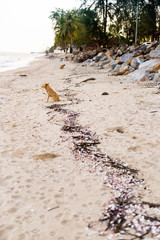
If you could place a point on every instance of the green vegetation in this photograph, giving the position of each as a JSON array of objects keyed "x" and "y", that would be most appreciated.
[{"x": 105, "y": 22}]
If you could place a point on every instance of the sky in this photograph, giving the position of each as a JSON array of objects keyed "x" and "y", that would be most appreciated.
[{"x": 25, "y": 26}]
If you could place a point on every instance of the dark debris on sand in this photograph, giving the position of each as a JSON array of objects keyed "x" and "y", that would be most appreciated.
[{"x": 126, "y": 215}]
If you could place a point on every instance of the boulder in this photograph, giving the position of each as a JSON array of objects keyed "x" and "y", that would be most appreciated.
[
  {"x": 147, "y": 51},
  {"x": 122, "y": 70},
  {"x": 138, "y": 53},
  {"x": 139, "y": 75},
  {"x": 156, "y": 78},
  {"x": 126, "y": 57},
  {"x": 92, "y": 64},
  {"x": 86, "y": 63},
  {"x": 116, "y": 69},
  {"x": 114, "y": 63},
  {"x": 155, "y": 53},
  {"x": 131, "y": 48},
  {"x": 143, "y": 73},
  {"x": 148, "y": 65},
  {"x": 136, "y": 62},
  {"x": 155, "y": 68},
  {"x": 97, "y": 58},
  {"x": 110, "y": 53},
  {"x": 119, "y": 52},
  {"x": 102, "y": 64},
  {"x": 101, "y": 54},
  {"x": 104, "y": 58},
  {"x": 153, "y": 44}
]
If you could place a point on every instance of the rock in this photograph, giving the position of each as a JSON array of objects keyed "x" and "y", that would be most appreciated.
[
  {"x": 136, "y": 62},
  {"x": 153, "y": 44},
  {"x": 92, "y": 64},
  {"x": 155, "y": 53},
  {"x": 148, "y": 65},
  {"x": 156, "y": 78},
  {"x": 104, "y": 58},
  {"x": 86, "y": 63},
  {"x": 101, "y": 54},
  {"x": 126, "y": 57},
  {"x": 102, "y": 64},
  {"x": 105, "y": 93},
  {"x": 83, "y": 56},
  {"x": 147, "y": 51},
  {"x": 124, "y": 69},
  {"x": 107, "y": 65},
  {"x": 117, "y": 68},
  {"x": 129, "y": 61},
  {"x": 113, "y": 64},
  {"x": 110, "y": 53},
  {"x": 139, "y": 75},
  {"x": 141, "y": 57},
  {"x": 143, "y": 73},
  {"x": 131, "y": 49},
  {"x": 138, "y": 53},
  {"x": 143, "y": 48},
  {"x": 97, "y": 58},
  {"x": 119, "y": 52},
  {"x": 155, "y": 68}
]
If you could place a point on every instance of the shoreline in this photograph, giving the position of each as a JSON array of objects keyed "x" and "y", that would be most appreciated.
[
  {"x": 18, "y": 60},
  {"x": 125, "y": 120}
]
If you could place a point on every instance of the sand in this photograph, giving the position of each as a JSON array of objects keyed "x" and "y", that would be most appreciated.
[{"x": 45, "y": 192}]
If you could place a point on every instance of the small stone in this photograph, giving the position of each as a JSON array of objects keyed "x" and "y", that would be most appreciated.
[{"x": 105, "y": 93}]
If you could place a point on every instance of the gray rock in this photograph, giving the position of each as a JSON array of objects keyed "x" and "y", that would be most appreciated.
[
  {"x": 148, "y": 65},
  {"x": 156, "y": 78},
  {"x": 136, "y": 62},
  {"x": 113, "y": 65},
  {"x": 139, "y": 75},
  {"x": 86, "y": 63},
  {"x": 97, "y": 58},
  {"x": 155, "y": 53},
  {"x": 126, "y": 56},
  {"x": 104, "y": 58},
  {"x": 122, "y": 69},
  {"x": 143, "y": 73},
  {"x": 119, "y": 52},
  {"x": 102, "y": 64},
  {"x": 117, "y": 68}
]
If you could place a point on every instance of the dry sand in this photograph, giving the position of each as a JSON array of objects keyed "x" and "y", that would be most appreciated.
[{"x": 56, "y": 198}]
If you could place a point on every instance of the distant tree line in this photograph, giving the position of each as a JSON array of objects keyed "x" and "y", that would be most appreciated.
[{"x": 101, "y": 22}]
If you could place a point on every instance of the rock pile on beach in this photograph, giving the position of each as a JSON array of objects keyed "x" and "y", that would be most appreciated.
[{"x": 141, "y": 63}]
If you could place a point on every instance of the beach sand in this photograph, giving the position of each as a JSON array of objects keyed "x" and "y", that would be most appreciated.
[{"x": 54, "y": 196}]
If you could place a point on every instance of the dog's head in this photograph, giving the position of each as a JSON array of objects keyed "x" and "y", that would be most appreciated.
[{"x": 45, "y": 85}]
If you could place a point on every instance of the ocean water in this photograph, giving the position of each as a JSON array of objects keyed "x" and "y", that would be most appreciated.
[{"x": 10, "y": 61}]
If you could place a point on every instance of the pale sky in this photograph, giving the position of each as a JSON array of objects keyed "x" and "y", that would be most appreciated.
[{"x": 25, "y": 26}]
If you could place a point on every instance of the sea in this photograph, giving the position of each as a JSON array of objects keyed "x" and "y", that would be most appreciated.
[{"x": 10, "y": 60}]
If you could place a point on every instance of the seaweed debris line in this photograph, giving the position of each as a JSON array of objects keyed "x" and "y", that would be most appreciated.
[{"x": 126, "y": 215}]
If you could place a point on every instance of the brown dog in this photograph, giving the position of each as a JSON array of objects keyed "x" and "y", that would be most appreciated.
[
  {"x": 51, "y": 93},
  {"x": 61, "y": 67}
]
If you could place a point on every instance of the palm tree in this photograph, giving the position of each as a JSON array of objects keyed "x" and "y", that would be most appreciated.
[
  {"x": 65, "y": 26},
  {"x": 70, "y": 26}
]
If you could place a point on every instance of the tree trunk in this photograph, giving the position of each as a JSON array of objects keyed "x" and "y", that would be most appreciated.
[
  {"x": 71, "y": 50},
  {"x": 153, "y": 13},
  {"x": 105, "y": 14}
]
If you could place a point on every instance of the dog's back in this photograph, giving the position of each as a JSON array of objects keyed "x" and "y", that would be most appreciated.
[{"x": 61, "y": 67}]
